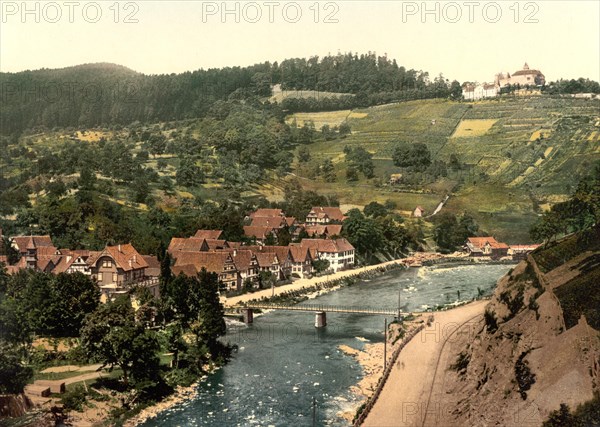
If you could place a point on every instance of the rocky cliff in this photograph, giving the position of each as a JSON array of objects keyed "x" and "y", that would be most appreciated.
[{"x": 538, "y": 345}]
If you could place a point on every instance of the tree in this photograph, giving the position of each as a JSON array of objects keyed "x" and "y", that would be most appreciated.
[
  {"x": 328, "y": 171},
  {"x": 450, "y": 232},
  {"x": 188, "y": 174},
  {"x": 416, "y": 156},
  {"x": 111, "y": 336},
  {"x": 304, "y": 154},
  {"x": 344, "y": 129},
  {"x": 210, "y": 323},
  {"x": 77, "y": 296},
  {"x": 351, "y": 174},
  {"x": 13, "y": 374},
  {"x": 375, "y": 210},
  {"x": 320, "y": 265}
]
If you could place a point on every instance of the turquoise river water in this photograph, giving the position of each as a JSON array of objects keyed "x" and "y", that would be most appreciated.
[{"x": 284, "y": 362}]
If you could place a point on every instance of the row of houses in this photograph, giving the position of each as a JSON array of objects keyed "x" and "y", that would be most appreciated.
[
  {"x": 320, "y": 222},
  {"x": 118, "y": 268},
  {"x": 490, "y": 247},
  {"x": 236, "y": 264}
]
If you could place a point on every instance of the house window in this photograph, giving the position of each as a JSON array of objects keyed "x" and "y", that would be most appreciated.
[
  {"x": 115, "y": 277},
  {"x": 100, "y": 277},
  {"x": 106, "y": 263}
]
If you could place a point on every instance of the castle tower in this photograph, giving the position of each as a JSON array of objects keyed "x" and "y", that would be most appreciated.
[{"x": 526, "y": 67}]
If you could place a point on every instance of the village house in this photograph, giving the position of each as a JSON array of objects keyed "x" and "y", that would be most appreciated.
[
  {"x": 117, "y": 269},
  {"x": 319, "y": 215},
  {"x": 520, "y": 252},
  {"x": 418, "y": 212},
  {"x": 475, "y": 91},
  {"x": 246, "y": 263},
  {"x": 20, "y": 243},
  {"x": 339, "y": 252},
  {"x": 266, "y": 213},
  {"x": 324, "y": 231},
  {"x": 283, "y": 255},
  {"x": 395, "y": 178},
  {"x": 260, "y": 234},
  {"x": 268, "y": 262},
  {"x": 186, "y": 244},
  {"x": 302, "y": 261},
  {"x": 486, "y": 247},
  {"x": 221, "y": 263}
]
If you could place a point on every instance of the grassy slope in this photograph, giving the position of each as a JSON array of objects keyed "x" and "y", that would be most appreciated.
[{"x": 521, "y": 172}]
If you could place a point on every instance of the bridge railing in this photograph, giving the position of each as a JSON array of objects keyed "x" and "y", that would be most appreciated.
[{"x": 325, "y": 308}]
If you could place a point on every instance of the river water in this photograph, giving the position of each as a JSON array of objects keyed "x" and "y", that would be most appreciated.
[{"x": 284, "y": 362}]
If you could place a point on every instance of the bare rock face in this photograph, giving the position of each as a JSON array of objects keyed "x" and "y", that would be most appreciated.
[{"x": 523, "y": 361}]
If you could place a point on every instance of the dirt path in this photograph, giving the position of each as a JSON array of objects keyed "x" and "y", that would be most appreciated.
[
  {"x": 83, "y": 377},
  {"x": 407, "y": 394},
  {"x": 414, "y": 259},
  {"x": 71, "y": 368}
]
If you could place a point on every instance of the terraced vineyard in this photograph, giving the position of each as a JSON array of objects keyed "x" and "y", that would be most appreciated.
[{"x": 522, "y": 154}]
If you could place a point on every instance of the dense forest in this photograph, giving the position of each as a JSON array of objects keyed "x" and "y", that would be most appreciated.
[{"x": 103, "y": 94}]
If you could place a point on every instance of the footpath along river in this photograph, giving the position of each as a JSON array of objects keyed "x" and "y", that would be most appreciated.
[{"x": 284, "y": 362}]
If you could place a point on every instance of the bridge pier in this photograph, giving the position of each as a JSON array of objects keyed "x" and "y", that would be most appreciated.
[
  {"x": 248, "y": 314},
  {"x": 320, "y": 319}
]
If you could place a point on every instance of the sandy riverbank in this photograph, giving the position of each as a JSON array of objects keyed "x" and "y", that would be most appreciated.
[
  {"x": 415, "y": 259},
  {"x": 181, "y": 395},
  {"x": 405, "y": 396},
  {"x": 371, "y": 361}
]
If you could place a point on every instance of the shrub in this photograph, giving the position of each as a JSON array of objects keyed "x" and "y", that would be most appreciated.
[
  {"x": 490, "y": 321},
  {"x": 525, "y": 378},
  {"x": 461, "y": 364}
]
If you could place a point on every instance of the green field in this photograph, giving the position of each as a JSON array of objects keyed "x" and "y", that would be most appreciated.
[{"x": 521, "y": 155}]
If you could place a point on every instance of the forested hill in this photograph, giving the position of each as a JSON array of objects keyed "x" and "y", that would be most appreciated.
[{"x": 107, "y": 94}]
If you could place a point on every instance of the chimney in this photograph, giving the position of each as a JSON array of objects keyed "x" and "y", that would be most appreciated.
[
  {"x": 135, "y": 259},
  {"x": 119, "y": 247},
  {"x": 235, "y": 252},
  {"x": 130, "y": 263}
]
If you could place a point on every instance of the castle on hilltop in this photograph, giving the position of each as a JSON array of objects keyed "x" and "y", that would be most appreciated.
[{"x": 525, "y": 78}]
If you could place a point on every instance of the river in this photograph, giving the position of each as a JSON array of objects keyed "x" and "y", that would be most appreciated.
[{"x": 284, "y": 362}]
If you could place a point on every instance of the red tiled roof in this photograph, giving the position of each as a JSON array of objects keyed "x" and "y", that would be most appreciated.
[
  {"x": 268, "y": 221},
  {"x": 259, "y": 232},
  {"x": 208, "y": 234},
  {"x": 23, "y": 241},
  {"x": 480, "y": 242},
  {"x": 328, "y": 230},
  {"x": 334, "y": 213},
  {"x": 290, "y": 220},
  {"x": 266, "y": 259},
  {"x": 242, "y": 258},
  {"x": 214, "y": 262},
  {"x": 186, "y": 270},
  {"x": 328, "y": 245},
  {"x": 266, "y": 213},
  {"x": 153, "y": 269},
  {"x": 214, "y": 244},
  {"x": 299, "y": 253},
  {"x": 184, "y": 244},
  {"x": 125, "y": 257}
]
